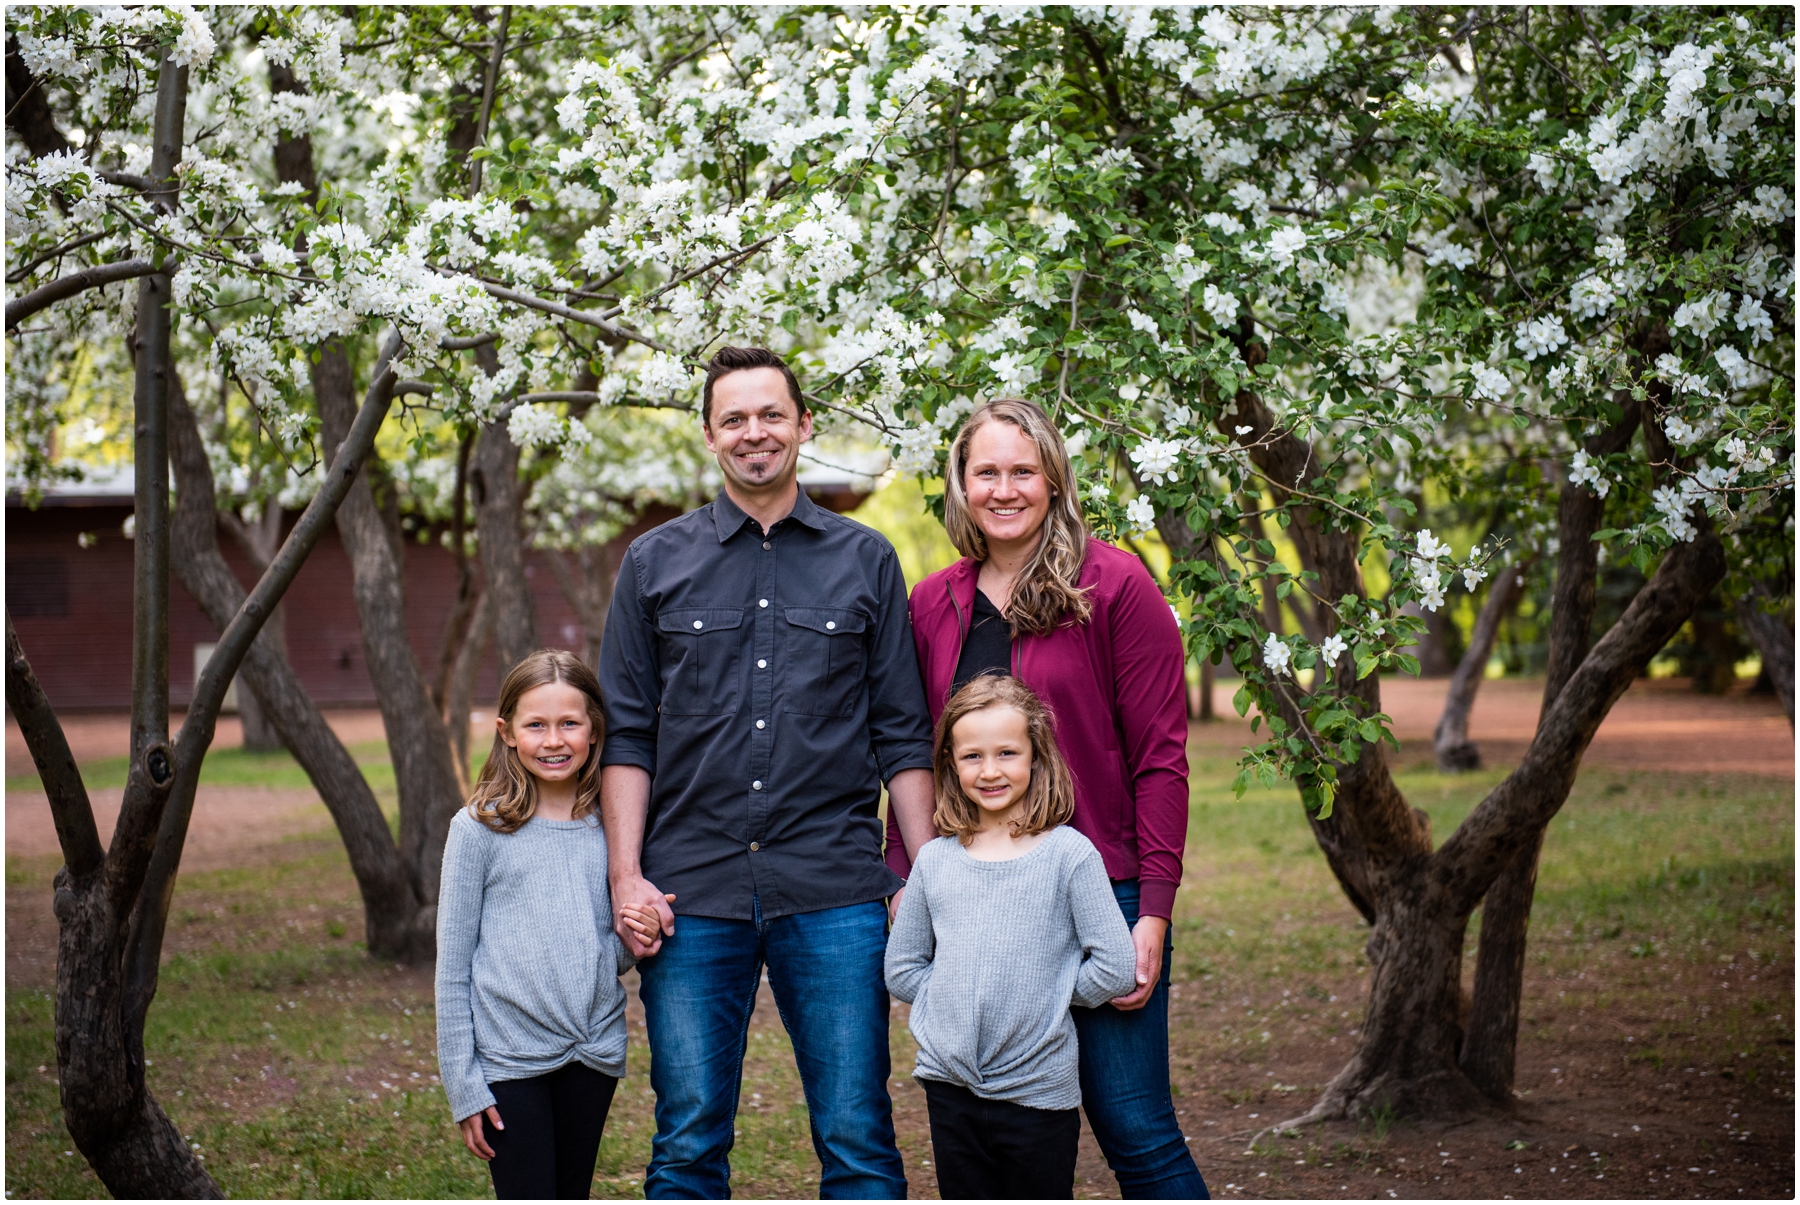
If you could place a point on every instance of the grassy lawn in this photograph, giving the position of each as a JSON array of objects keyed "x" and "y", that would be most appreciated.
[
  {"x": 235, "y": 768},
  {"x": 300, "y": 1068}
]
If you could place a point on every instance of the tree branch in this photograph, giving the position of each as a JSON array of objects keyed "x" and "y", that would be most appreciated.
[
  {"x": 46, "y": 295},
  {"x": 144, "y": 950},
  {"x": 76, "y": 832}
]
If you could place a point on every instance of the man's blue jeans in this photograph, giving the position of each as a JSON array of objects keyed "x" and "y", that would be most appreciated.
[
  {"x": 699, "y": 991},
  {"x": 1125, "y": 1088}
]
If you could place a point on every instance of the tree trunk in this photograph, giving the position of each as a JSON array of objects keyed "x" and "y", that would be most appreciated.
[
  {"x": 1455, "y": 751},
  {"x": 115, "y": 1122},
  {"x": 460, "y": 698},
  {"x": 500, "y": 524},
  {"x": 397, "y": 923},
  {"x": 1489, "y": 1055},
  {"x": 424, "y": 770},
  {"x": 588, "y": 585},
  {"x": 1207, "y": 673},
  {"x": 260, "y": 541},
  {"x": 1774, "y": 639}
]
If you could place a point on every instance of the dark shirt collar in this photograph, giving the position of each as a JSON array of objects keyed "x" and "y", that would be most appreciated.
[{"x": 729, "y": 518}]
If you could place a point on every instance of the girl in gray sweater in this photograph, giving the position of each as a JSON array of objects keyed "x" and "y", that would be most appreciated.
[
  {"x": 531, "y": 1015},
  {"x": 1004, "y": 924}
]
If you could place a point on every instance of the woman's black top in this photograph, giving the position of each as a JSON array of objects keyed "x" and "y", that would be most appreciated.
[{"x": 988, "y": 647}]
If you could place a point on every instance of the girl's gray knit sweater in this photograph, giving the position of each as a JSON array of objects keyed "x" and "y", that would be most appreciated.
[
  {"x": 528, "y": 965},
  {"x": 992, "y": 954}
]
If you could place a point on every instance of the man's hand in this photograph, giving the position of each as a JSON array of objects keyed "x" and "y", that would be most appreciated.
[
  {"x": 472, "y": 1136},
  {"x": 1147, "y": 935},
  {"x": 643, "y": 899},
  {"x": 894, "y": 903}
]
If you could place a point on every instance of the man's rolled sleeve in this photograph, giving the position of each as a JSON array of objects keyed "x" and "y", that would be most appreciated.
[
  {"x": 630, "y": 676},
  {"x": 899, "y": 721}
]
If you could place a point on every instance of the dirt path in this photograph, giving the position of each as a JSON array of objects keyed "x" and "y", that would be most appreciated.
[{"x": 1658, "y": 725}]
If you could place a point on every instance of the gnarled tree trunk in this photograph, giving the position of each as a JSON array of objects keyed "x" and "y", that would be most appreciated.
[
  {"x": 397, "y": 923},
  {"x": 1418, "y": 899}
]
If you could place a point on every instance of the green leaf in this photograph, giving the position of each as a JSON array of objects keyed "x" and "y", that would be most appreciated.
[
  {"x": 1241, "y": 700},
  {"x": 797, "y": 173},
  {"x": 1118, "y": 240}
]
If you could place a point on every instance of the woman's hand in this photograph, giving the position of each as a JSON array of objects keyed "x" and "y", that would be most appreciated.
[
  {"x": 1147, "y": 935},
  {"x": 472, "y": 1136}
]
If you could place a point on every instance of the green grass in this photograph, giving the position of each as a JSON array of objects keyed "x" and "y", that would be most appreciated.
[
  {"x": 273, "y": 1034},
  {"x": 232, "y": 768}
]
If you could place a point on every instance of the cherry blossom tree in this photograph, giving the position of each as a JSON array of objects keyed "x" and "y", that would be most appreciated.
[{"x": 1274, "y": 272}]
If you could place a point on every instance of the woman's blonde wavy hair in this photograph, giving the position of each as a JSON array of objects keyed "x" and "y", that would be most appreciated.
[
  {"x": 1045, "y": 594},
  {"x": 505, "y": 795},
  {"x": 1049, "y": 800}
]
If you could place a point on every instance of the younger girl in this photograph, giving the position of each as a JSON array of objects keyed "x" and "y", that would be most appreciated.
[
  {"x": 1004, "y": 924},
  {"x": 531, "y": 1015}
]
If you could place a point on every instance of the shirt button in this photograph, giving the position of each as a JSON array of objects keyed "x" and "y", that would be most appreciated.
[
  {"x": 762, "y": 602},
  {"x": 754, "y": 846},
  {"x": 757, "y": 785},
  {"x": 696, "y": 623},
  {"x": 761, "y": 664},
  {"x": 767, "y": 546},
  {"x": 830, "y": 625},
  {"x": 759, "y": 724}
]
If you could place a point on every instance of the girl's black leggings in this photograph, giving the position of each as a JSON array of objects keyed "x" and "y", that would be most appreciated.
[
  {"x": 552, "y": 1135},
  {"x": 997, "y": 1150}
]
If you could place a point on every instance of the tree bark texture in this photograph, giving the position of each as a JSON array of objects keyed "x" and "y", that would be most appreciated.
[
  {"x": 397, "y": 924},
  {"x": 500, "y": 527},
  {"x": 1417, "y": 900},
  {"x": 1489, "y": 1054},
  {"x": 116, "y": 1123},
  {"x": 1455, "y": 751},
  {"x": 260, "y": 541},
  {"x": 1774, "y": 639},
  {"x": 424, "y": 770},
  {"x": 459, "y": 697}
]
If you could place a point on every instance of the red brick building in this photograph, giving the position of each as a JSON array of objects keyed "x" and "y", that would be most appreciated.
[{"x": 68, "y": 590}]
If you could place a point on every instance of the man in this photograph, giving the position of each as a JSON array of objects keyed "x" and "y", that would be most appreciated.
[{"x": 760, "y": 683}]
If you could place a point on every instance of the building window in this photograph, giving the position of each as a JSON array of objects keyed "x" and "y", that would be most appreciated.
[{"x": 37, "y": 586}]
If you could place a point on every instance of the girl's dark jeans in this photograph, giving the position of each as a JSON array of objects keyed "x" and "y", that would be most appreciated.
[{"x": 552, "y": 1135}]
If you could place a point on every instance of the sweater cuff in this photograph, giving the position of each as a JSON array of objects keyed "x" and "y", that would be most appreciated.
[{"x": 1156, "y": 897}]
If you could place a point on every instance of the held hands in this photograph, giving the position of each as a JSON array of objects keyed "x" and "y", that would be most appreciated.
[
  {"x": 1147, "y": 935},
  {"x": 643, "y": 916},
  {"x": 472, "y": 1136}
]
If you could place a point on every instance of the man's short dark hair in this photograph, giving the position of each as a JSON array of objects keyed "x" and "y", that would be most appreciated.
[{"x": 735, "y": 359}]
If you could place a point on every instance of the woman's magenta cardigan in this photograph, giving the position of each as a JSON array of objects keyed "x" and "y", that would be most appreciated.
[{"x": 1117, "y": 687}]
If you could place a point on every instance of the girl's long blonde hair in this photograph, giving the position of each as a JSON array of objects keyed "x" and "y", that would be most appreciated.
[
  {"x": 1049, "y": 800},
  {"x": 505, "y": 795},
  {"x": 1045, "y": 594}
]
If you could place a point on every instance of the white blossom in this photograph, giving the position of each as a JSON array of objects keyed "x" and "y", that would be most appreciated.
[
  {"x": 1702, "y": 314},
  {"x": 1753, "y": 318},
  {"x": 1331, "y": 649},
  {"x": 1540, "y": 337},
  {"x": 1141, "y": 514},
  {"x": 1586, "y": 471},
  {"x": 1222, "y": 306},
  {"x": 1275, "y": 654}
]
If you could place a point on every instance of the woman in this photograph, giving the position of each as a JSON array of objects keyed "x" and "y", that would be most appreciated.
[{"x": 1084, "y": 625}]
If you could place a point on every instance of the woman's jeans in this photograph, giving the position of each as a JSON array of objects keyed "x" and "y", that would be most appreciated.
[
  {"x": 699, "y": 990},
  {"x": 1125, "y": 1087}
]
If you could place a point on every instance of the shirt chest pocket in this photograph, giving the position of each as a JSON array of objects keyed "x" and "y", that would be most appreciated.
[
  {"x": 826, "y": 660},
  {"x": 701, "y": 654}
]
